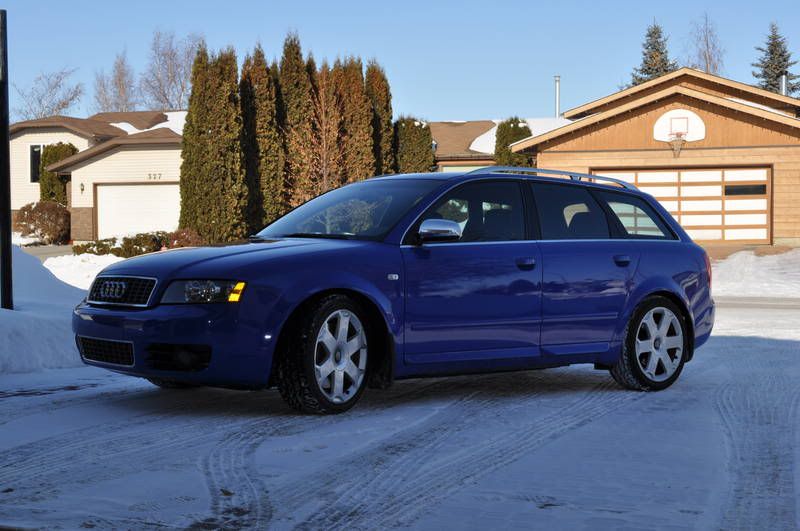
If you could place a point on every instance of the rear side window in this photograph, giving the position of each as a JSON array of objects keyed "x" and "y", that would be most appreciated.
[
  {"x": 636, "y": 218},
  {"x": 569, "y": 213}
]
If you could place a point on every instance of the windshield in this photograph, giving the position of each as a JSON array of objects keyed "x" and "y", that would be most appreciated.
[{"x": 362, "y": 211}]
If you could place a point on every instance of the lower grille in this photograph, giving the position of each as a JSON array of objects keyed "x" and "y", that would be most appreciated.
[
  {"x": 172, "y": 357},
  {"x": 105, "y": 351}
]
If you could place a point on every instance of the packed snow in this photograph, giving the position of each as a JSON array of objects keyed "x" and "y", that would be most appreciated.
[
  {"x": 37, "y": 334},
  {"x": 744, "y": 274},
  {"x": 556, "y": 449},
  {"x": 563, "y": 448},
  {"x": 79, "y": 270}
]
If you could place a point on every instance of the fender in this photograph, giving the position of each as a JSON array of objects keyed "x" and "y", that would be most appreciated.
[{"x": 387, "y": 298}]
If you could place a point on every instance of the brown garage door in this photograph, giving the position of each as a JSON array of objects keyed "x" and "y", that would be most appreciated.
[{"x": 712, "y": 204}]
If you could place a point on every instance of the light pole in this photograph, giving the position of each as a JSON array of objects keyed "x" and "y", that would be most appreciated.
[{"x": 6, "y": 294}]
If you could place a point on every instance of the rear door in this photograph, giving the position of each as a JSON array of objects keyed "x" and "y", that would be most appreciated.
[
  {"x": 480, "y": 297},
  {"x": 586, "y": 273}
]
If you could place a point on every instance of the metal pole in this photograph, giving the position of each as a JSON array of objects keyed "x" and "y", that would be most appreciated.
[
  {"x": 558, "y": 95},
  {"x": 6, "y": 294}
]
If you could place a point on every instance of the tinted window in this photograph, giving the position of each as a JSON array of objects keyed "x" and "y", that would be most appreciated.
[
  {"x": 635, "y": 216},
  {"x": 36, "y": 160},
  {"x": 569, "y": 213},
  {"x": 365, "y": 210},
  {"x": 745, "y": 189},
  {"x": 487, "y": 211}
]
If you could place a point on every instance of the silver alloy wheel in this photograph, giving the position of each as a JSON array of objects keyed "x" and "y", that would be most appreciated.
[
  {"x": 659, "y": 344},
  {"x": 340, "y": 360}
]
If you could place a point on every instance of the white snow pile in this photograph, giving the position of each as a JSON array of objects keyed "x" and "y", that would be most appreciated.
[
  {"x": 79, "y": 270},
  {"x": 744, "y": 274},
  {"x": 37, "y": 333},
  {"x": 18, "y": 239},
  {"x": 485, "y": 143}
]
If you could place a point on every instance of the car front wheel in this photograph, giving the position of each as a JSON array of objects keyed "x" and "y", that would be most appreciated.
[
  {"x": 324, "y": 365},
  {"x": 655, "y": 347}
]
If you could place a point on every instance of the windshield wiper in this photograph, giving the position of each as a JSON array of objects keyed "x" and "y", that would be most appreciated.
[{"x": 318, "y": 235}]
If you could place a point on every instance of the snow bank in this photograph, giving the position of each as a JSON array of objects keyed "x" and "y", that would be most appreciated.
[
  {"x": 744, "y": 274},
  {"x": 37, "y": 334},
  {"x": 79, "y": 270},
  {"x": 18, "y": 239}
]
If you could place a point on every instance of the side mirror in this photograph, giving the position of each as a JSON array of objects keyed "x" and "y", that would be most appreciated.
[{"x": 439, "y": 230}]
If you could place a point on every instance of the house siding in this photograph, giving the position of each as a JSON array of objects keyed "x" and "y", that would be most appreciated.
[
  {"x": 23, "y": 191},
  {"x": 125, "y": 165}
]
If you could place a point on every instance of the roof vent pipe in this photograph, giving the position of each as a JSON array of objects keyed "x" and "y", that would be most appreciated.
[
  {"x": 558, "y": 95},
  {"x": 784, "y": 84}
]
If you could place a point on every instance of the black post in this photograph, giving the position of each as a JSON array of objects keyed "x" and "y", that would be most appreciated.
[{"x": 6, "y": 293}]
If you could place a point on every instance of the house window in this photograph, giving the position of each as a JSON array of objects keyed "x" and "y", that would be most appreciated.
[
  {"x": 745, "y": 189},
  {"x": 36, "y": 160}
]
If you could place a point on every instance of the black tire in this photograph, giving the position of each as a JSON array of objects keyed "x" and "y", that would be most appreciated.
[
  {"x": 171, "y": 384},
  {"x": 627, "y": 372},
  {"x": 295, "y": 373}
]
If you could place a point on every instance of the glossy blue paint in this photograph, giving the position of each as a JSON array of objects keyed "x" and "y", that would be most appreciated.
[{"x": 453, "y": 308}]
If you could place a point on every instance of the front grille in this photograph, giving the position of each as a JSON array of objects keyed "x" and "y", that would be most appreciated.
[
  {"x": 123, "y": 291},
  {"x": 105, "y": 351}
]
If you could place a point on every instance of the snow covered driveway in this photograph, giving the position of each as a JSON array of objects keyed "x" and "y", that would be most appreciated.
[{"x": 561, "y": 448}]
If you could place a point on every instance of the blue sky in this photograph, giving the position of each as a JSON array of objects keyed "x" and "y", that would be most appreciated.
[{"x": 445, "y": 60}]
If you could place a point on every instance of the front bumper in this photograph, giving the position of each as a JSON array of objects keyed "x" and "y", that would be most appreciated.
[{"x": 241, "y": 353}]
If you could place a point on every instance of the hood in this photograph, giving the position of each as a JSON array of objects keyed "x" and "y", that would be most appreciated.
[{"x": 222, "y": 261}]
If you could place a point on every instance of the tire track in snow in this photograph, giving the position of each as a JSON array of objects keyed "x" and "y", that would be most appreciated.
[
  {"x": 396, "y": 479},
  {"x": 85, "y": 456},
  {"x": 239, "y": 498},
  {"x": 389, "y": 503},
  {"x": 759, "y": 414}
]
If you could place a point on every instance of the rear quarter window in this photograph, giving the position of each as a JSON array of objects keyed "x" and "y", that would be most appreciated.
[{"x": 637, "y": 219}]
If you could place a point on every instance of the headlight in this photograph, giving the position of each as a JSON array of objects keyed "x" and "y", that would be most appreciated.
[{"x": 203, "y": 291}]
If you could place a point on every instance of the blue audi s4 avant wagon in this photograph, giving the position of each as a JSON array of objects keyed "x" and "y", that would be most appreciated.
[{"x": 406, "y": 276}]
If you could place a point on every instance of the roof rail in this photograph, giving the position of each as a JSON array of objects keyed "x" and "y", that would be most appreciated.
[{"x": 543, "y": 172}]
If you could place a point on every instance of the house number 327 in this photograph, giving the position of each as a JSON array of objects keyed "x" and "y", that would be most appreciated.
[{"x": 153, "y": 176}]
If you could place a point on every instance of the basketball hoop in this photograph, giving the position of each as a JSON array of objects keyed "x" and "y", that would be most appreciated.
[{"x": 676, "y": 142}]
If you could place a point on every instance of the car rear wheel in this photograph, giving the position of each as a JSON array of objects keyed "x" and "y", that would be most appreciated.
[
  {"x": 655, "y": 347},
  {"x": 324, "y": 365}
]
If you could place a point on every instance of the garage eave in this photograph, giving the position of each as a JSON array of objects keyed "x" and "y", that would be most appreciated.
[
  {"x": 156, "y": 137},
  {"x": 530, "y": 143}
]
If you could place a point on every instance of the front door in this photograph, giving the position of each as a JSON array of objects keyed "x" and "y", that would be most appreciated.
[{"x": 478, "y": 298}]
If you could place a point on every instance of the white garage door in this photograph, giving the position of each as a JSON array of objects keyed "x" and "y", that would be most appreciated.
[
  {"x": 124, "y": 209},
  {"x": 726, "y": 204}
]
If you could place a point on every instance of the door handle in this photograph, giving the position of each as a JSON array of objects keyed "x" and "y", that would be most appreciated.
[
  {"x": 526, "y": 263},
  {"x": 622, "y": 260}
]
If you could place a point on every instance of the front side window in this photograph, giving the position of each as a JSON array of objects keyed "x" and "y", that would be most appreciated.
[
  {"x": 363, "y": 211},
  {"x": 569, "y": 212},
  {"x": 36, "y": 161},
  {"x": 636, "y": 217},
  {"x": 488, "y": 211}
]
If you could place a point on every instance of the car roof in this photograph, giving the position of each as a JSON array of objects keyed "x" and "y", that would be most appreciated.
[{"x": 533, "y": 174}]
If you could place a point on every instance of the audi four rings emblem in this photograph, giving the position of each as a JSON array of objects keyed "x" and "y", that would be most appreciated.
[{"x": 113, "y": 289}]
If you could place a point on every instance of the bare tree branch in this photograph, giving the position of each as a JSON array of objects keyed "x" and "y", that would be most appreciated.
[
  {"x": 50, "y": 93},
  {"x": 706, "y": 52},
  {"x": 166, "y": 82},
  {"x": 116, "y": 92}
]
